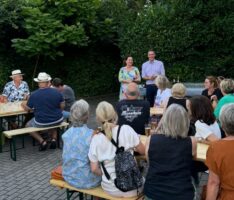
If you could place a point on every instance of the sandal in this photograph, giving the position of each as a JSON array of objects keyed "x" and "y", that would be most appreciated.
[
  {"x": 53, "y": 144},
  {"x": 43, "y": 146}
]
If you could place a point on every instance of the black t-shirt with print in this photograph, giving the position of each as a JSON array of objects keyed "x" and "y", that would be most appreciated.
[{"x": 134, "y": 113}]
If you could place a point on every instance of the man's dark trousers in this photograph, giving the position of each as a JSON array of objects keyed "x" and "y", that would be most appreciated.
[{"x": 151, "y": 91}]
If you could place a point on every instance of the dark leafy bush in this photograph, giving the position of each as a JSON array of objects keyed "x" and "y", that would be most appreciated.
[{"x": 193, "y": 38}]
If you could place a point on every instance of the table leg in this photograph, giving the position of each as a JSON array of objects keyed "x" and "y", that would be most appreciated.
[
  {"x": 1, "y": 135},
  {"x": 13, "y": 149}
]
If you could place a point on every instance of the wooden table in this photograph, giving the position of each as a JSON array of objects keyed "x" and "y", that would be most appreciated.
[
  {"x": 9, "y": 109},
  {"x": 201, "y": 149},
  {"x": 156, "y": 111}
]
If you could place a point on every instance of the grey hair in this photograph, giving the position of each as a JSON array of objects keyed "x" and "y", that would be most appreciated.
[
  {"x": 227, "y": 118},
  {"x": 162, "y": 82},
  {"x": 175, "y": 122},
  {"x": 79, "y": 113},
  {"x": 227, "y": 86}
]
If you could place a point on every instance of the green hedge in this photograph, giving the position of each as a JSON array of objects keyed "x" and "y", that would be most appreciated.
[
  {"x": 89, "y": 71},
  {"x": 192, "y": 38}
]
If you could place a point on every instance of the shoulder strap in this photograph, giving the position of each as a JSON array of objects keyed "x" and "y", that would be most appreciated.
[
  {"x": 105, "y": 171},
  {"x": 116, "y": 144}
]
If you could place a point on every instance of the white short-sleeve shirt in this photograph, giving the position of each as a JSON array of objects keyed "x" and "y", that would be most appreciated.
[
  {"x": 101, "y": 149},
  {"x": 162, "y": 97},
  {"x": 203, "y": 130}
]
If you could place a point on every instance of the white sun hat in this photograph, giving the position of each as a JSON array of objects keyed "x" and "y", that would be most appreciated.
[
  {"x": 43, "y": 77},
  {"x": 16, "y": 72}
]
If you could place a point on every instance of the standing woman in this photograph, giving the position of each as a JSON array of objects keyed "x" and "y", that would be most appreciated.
[{"x": 128, "y": 74}]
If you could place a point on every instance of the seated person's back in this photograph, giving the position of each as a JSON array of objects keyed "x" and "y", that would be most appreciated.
[
  {"x": 135, "y": 113},
  {"x": 132, "y": 111},
  {"x": 220, "y": 159},
  {"x": 170, "y": 158},
  {"x": 102, "y": 150},
  {"x": 76, "y": 140},
  {"x": 66, "y": 91},
  {"x": 46, "y": 104},
  {"x": 178, "y": 92}
]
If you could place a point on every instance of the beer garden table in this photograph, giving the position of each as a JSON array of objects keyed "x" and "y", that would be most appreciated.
[
  {"x": 156, "y": 111},
  {"x": 201, "y": 149},
  {"x": 6, "y": 110}
]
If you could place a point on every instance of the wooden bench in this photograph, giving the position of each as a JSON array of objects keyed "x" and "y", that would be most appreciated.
[
  {"x": 94, "y": 192},
  {"x": 22, "y": 131}
]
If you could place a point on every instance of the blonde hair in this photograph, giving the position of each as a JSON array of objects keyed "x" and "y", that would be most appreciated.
[
  {"x": 178, "y": 90},
  {"x": 106, "y": 117},
  {"x": 175, "y": 122},
  {"x": 227, "y": 86},
  {"x": 162, "y": 82}
]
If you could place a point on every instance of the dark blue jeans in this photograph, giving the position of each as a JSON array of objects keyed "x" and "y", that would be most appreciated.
[{"x": 151, "y": 91}]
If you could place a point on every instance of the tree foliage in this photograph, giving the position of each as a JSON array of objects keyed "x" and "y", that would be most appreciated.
[
  {"x": 83, "y": 41},
  {"x": 50, "y": 24}
]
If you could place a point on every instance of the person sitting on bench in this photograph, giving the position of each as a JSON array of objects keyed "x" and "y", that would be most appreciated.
[
  {"x": 102, "y": 150},
  {"x": 47, "y": 104},
  {"x": 76, "y": 141}
]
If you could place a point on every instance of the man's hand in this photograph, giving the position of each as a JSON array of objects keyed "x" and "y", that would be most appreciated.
[
  {"x": 153, "y": 77},
  {"x": 25, "y": 107}
]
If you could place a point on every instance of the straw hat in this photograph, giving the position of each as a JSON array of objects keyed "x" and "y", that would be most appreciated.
[
  {"x": 16, "y": 72},
  {"x": 42, "y": 77}
]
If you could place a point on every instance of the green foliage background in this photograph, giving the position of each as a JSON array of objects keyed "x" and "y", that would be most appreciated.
[{"x": 84, "y": 42}]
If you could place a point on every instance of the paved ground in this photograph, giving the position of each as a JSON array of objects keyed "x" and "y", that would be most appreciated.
[{"x": 28, "y": 177}]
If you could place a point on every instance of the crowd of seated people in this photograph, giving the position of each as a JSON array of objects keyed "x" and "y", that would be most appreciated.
[{"x": 169, "y": 152}]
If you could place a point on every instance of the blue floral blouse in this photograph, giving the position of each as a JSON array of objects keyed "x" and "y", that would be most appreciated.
[{"x": 76, "y": 165}]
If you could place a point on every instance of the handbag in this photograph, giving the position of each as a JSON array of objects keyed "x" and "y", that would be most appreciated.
[{"x": 56, "y": 173}]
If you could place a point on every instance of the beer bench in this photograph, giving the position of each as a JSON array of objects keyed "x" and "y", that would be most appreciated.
[
  {"x": 94, "y": 192},
  {"x": 22, "y": 131}
]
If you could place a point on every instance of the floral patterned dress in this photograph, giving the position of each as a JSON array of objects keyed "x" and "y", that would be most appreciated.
[{"x": 125, "y": 75}]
